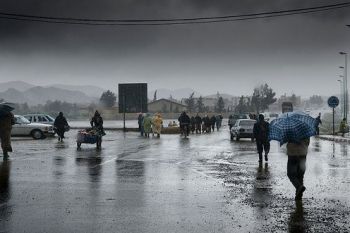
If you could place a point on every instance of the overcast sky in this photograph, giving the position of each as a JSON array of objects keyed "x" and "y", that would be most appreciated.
[{"x": 293, "y": 54}]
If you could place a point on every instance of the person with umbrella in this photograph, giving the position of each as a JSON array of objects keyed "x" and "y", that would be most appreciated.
[
  {"x": 61, "y": 125},
  {"x": 6, "y": 121},
  {"x": 295, "y": 129},
  {"x": 261, "y": 131}
]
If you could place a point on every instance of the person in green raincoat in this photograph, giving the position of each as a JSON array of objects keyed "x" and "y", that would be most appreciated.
[{"x": 147, "y": 125}]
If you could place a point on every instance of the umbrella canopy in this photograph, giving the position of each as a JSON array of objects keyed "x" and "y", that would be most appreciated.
[
  {"x": 5, "y": 108},
  {"x": 292, "y": 127}
]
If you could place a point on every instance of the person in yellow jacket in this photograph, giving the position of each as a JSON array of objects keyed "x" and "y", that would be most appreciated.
[
  {"x": 297, "y": 165},
  {"x": 157, "y": 124}
]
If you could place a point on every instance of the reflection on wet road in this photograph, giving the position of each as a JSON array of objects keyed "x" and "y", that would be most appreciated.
[{"x": 202, "y": 184}]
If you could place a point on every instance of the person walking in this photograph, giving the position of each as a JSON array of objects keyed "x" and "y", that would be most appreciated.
[
  {"x": 261, "y": 132},
  {"x": 296, "y": 165},
  {"x": 230, "y": 121},
  {"x": 6, "y": 121},
  {"x": 147, "y": 125},
  {"x": 193, "y": 124},
  {"x": 157, "y": 123},
  {"x": 140, "y": 122},
  {"x": 60, "y": 125},
  {"x": 212, "y": 122},
  {"x": 207, "y": 124},
  {"x": 343, "y": 128},
  {"x": 185, "y": 122},
  {"x": 218, "y": 121},
  {"x": 97, "y": 124},
  {"x": 198, "y": 121},
  {"x": 318, "y": 122}
]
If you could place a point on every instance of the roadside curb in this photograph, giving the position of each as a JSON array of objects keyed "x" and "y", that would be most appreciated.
[{"x": 334, "y": 138}]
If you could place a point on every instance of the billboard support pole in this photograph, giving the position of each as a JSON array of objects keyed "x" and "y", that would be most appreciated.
[{"x": 124, "y": 128}]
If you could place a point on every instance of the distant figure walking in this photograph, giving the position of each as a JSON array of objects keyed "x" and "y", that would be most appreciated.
[
  {"x": 212, "y": 122},
  {"x": 147, "y": 124},
  {"x": 184, "y": 121},
  {"x": 157, "y": 123},
  {"x": 193, "y": 124},
  {"x": 207, "y": 124},
  {"x": 230, "y": 121},
  {"x": 344, "y": 128},
  {"x": 140, "y": 122},
  {"x": 261, "y": 132},
  {"x": 61, "y": 125},
  {"x": 218, "y": 121},
  {"x": 97, "y": 121},
  {"x": 6, "y": 122},
  {"x": 296, "y": 165},
  {"x": 198, "y": 121},
  {"x": 318, "y": 122}
]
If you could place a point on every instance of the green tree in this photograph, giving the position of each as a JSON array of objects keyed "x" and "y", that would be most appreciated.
[
  {"x": 200, "y": 105},
  {"x": 220, "y": 106},
  {"x": 108, "y": 99},
  {"x": 243, "y": 105},
  {"x": 262, "y": 97},
  {"x": 190, "y": 103}
]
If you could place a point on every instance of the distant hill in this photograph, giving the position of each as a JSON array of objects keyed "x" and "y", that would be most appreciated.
[
  {"x": 18, "y": 85},
  {"x": 92, "y": 91},
  {"x": 40, "y": 95},
  {"x": 175, "y": 94}
]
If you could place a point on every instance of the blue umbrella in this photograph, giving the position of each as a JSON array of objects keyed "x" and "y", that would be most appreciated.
[
  {"x": 292, "y": 127},
  {"x": 5, "y": 108}
]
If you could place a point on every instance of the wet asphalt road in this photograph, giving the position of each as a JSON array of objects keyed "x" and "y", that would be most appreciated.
[{"x": 202, "y": 184}]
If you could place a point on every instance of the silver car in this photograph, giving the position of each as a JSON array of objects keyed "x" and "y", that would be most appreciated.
[
  {"x": 23, "y": 127},
  {"x": 243, "y": 128},
  {"x": 40, "y": 118}
]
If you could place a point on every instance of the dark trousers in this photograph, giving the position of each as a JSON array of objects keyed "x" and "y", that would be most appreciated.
[
  {"x": 296, "y": 167},
  {"x": 263, "y": 146}
]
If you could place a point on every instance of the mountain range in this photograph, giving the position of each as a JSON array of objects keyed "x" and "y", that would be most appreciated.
[{"x": 22, "y": 92}]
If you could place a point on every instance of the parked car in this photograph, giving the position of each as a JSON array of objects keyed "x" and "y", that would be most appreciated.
[
  {"x": 269, "y": 116},
  {"x": 23, "y": 127},
  {"x": 40, "y": 118},
  {"x": 243, "y": 129}
]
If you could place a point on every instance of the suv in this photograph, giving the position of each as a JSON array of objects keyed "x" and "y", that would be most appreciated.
[
  {"x": 243, "y": 129},
  {"x": 233, "y": 118},
  {"x": 23, "y": 127},
  {"x": 40, "y": 118}
]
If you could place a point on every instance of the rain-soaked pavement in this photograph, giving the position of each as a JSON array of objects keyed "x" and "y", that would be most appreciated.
[{"x": 202, "y": 184}]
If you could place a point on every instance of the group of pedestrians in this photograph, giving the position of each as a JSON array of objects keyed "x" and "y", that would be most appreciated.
[
  {"x": 148, "y": 124},
  {"x": 199, "y": 124}
]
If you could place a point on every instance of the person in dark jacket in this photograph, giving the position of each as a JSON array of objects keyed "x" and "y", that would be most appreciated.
[
  {"x": 184, "y": 121},
  {"x": 261, "y": 132},
  {"x": 60, "y": 125},
  {"x": 317, "y": 125},
  {"x": 193, "y": 124},
  {"x": 198, "y": 121},
  {"x": 207, "y": 124},
  {"x": 6, "y": 122},
  {"x": 213, "y": 121},
  {"x": 140, "y": 122},
  {"x": 218, "y": 121}
]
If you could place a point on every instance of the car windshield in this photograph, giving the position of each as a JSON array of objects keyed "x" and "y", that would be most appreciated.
[
  {"x": 240, "y": 116},
  {"x": 22, "y": 120},
  {"x": 49, "y": 118},
  {"x": 247, "y": 123}
]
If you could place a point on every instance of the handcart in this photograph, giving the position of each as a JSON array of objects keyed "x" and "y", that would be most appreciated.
[{"x": 89, "y": 136}]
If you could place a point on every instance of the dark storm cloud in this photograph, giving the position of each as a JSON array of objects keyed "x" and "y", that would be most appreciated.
[{"x": 249, "y": 51}]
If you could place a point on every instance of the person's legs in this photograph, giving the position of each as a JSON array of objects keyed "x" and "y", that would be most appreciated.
[
  {"x": 266, "y": 149},
  {"x": 259, "y": 147},
  {"x": 292, "y": 171}
]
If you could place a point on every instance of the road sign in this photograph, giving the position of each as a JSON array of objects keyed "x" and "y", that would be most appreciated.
[{"x": 333, "y": 101}]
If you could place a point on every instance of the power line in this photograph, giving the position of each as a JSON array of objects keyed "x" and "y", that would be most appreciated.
[{"x": 173, "y": 21}]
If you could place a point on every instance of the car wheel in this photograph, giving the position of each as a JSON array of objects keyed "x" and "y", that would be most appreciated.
[{"x": 37, "y": 134}]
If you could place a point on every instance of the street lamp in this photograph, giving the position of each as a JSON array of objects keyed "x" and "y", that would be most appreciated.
[
  {"x": 345, "y": 83},
  {"x": 341, "y": 94}
]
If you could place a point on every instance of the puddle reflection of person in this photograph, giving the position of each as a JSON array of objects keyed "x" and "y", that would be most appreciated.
[{"x": 297, "y": 222}]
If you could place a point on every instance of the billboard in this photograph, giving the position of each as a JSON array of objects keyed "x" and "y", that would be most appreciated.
[{"x": 132, "y": 97}]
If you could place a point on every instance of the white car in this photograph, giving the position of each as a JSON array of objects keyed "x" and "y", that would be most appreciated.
[
  {"x": 269, "y": 116},
  {"x": 40, "y": 118},
  {"x": 243, "y": 129},
  {"x": 23, "y": 127}
]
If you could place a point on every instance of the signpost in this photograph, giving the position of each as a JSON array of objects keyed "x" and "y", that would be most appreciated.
[{"x": 333, "y": 102}]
